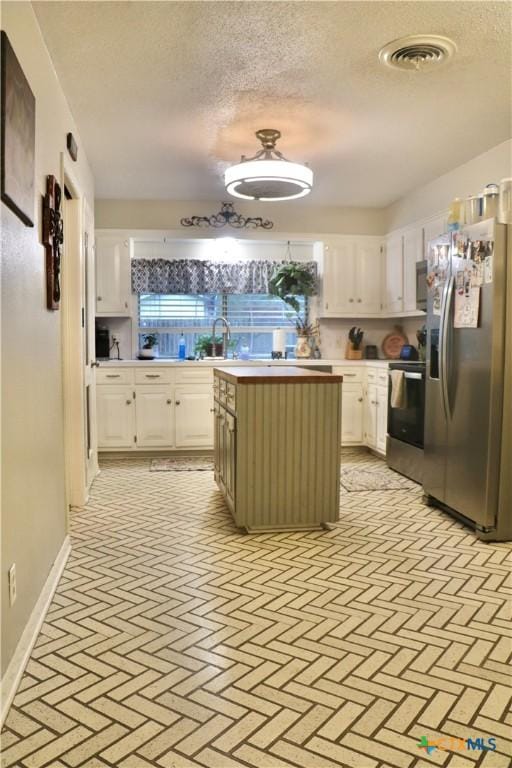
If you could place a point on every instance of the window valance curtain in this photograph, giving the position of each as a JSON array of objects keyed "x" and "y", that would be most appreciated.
[{"x": 194, "y": 276}]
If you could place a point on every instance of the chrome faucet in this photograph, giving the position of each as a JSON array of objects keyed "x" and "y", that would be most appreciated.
[{"x": 226, "y": 331}]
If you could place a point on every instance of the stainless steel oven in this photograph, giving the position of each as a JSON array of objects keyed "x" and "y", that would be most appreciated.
[{"x": 406, "y": 422}]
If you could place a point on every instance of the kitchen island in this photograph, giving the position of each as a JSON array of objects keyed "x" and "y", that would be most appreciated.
[{"x": 277, "y": 446}]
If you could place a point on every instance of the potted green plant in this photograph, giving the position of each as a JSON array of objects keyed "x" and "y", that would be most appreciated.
[
  {"x": 291, "y": 280},
  {"x": 204, "y": 345},
  {"x": 355, "y": 339},
  {"x": 148, "y": 349}
]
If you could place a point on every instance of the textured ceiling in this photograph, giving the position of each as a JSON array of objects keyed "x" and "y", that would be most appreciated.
[{"x": 167, "y": 94}]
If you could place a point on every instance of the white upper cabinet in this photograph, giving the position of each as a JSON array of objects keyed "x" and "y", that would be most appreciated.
[
  {"x": 433, "y": 228},
  {"x": 350, "y": 272},
  {"x": 113, "y": 288},
  {"x": 394, "y": 273},
  {"x": 413, "y": 252}
]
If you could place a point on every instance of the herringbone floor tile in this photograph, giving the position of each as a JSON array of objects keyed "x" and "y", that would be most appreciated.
[{"x": 174, "y": 640}]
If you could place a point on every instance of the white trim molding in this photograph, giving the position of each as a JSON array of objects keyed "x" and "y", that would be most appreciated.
[{"x": 14, "y": 671}]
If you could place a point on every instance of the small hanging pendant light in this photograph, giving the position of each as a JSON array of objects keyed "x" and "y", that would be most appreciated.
[{"x": 268, "y": 175}]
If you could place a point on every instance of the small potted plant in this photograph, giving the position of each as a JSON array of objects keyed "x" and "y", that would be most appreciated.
[
  {"x": 354, "y": 349},
  {"x": 304, "y": 332},
  {"x": 148, "y": 350},
  {"x": 204, "y": 346}
]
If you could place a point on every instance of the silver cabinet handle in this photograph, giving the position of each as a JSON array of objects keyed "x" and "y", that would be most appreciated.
[
  {"x": 95, "y": 364},
  {"x": 126, "y": 304},
  {"x": 351, "y": 300},
  {"x": 113, "y": 375},
  {"x": 178, "y": 402},
  {"x": 98, "y": 298},
  {"x": 169, "y": 402},
  {"x": 152, "y": 375},
  {"x": 359, "y": 399},
  {"x": 128, "y": 402},
  {"x": 359, "y": 301},
  {"x": 349, "y": 374},
  {"x": 327, "y": 305},
  {"x": 212, "y": 410}
]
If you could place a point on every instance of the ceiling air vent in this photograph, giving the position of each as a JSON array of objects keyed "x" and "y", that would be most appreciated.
[{"x": 417, "y": 52}]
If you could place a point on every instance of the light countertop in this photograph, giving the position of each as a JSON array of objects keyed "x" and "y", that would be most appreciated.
[{"x": 166, "y": 363}]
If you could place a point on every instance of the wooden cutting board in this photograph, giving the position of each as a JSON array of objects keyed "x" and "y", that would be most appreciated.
[{"x": 393, "y": 343}]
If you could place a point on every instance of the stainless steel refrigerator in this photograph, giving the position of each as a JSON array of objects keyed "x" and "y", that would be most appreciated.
[{"x": 468, "y": 410}]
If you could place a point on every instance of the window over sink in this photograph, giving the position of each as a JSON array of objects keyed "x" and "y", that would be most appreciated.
[{"x": 252, "y": 318}]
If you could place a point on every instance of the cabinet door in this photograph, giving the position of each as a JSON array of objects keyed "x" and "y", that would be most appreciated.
[
  {"x": 413, "y": 252},
  {"x": 338, "y": 279},
  {"x": 368, "y": 258},
  {"x": 230, "y": 453},
  {"x": 194, "y": 416},
  {"x": 115, "y": 409},
  {"x": 382, "y": 418},
  {"x": 113, "y": 290},
  {"x": 394, "y": 273},
  {"x": 221, "y": 450},
  {"x": 432, "y": 229},
  {"x": 154, "y": 416},
  {"x": 370, "y": 416},
  {"x": 352, "y": 414}
]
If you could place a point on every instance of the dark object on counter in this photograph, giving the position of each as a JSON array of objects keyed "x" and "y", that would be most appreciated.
[
  {"x": 102, "y": 343},
  {"x": 409, "y": 352},
  {"x": 143, "y": 357},
  {"x": 371, "y": 352}
]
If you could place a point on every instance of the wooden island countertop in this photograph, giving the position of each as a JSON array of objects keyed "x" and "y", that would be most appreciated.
[{"x": 278, "y": 375}]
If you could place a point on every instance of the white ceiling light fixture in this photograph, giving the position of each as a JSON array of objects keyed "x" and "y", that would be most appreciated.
[
  {"x": 417, "y": 52},
  {"x": 268, "y": 175}
]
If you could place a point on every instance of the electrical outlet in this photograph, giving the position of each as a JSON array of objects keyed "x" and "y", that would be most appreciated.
[{"x": 12, "y": 584}]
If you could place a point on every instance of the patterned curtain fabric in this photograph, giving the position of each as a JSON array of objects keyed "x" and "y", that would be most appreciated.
[{"x": 194, "y": 276}]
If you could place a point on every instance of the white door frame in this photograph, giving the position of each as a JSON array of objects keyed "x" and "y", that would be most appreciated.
[{"x": 78, "y": 349}]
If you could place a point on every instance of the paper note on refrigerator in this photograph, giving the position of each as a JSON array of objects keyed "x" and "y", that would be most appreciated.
[{"x": 467, "y": 304}]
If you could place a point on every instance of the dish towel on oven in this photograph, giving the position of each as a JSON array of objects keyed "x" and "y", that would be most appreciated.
[{"x": 398, "y": 391}]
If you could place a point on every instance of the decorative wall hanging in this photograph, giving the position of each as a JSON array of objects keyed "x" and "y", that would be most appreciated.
[
  {"x": 18, "y": 129},
  {"x": 195, "y": 276},
  {"x": 72, "y": 146},
  {"x": 53, "y": 237},
  {"x": 227, "y": 215}
]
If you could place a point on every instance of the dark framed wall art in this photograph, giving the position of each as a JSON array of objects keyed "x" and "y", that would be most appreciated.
[{"x": 18, "y": 126}]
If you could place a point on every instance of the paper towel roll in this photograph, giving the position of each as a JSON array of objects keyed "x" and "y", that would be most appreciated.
[{"x": 279, "y": 341}]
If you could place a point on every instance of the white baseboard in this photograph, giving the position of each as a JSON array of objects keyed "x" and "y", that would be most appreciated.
[{"x": 14, "y": 671}]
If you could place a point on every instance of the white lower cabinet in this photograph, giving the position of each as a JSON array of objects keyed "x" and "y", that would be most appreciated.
[
  {"x": 154, "y": 416},
  {"x": 116, "y": 416},
  {"x": 194, "y": 416},
  {"x": 352, "y": 414},
  {"x": 382, "y": 418},
  {"x": 155, "y": 408},
  {"x": 370, "y": 416},
  {"x": 376, "y": 416}
]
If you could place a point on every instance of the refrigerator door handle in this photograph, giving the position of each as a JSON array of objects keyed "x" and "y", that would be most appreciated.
[{"x": 443, "y": 367}]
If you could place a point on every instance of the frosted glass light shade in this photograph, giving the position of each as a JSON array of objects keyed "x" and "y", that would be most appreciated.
[{"x": 268, "y": 180}]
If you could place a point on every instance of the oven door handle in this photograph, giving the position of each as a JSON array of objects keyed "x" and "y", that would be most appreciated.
[{"x": 410, "y": 375}]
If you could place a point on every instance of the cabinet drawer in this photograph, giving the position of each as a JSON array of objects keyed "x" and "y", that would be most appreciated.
[
  {"x": 231, "y": 396},
  {"x": 351, "y": 375},
  {"x": 382, "y": 378},
  {"x": 114, "y": 376},
  {"x": 153, "y": 376},
  {"x": 193, "y": 375}
]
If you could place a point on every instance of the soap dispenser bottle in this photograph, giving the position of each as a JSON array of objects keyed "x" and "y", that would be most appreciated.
[{"x": 182, "y": 348}]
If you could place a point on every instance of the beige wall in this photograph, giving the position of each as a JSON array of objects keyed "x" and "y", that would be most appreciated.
[
  {"x": 33, "y": 521},
  {"x": 295, "y": 216},
  {"x": 465, "y": 180}
]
